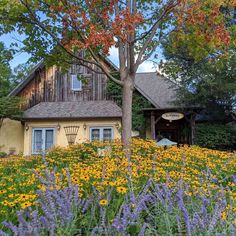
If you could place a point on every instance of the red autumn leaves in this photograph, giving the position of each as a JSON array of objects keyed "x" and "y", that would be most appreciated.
[
  {"x": 96, "y": 23},
  {"x": 205, "y": 19}
]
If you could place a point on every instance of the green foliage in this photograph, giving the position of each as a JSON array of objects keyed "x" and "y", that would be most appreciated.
[
  {"x": 5, "y": 71},
  {"x": 209, "y": 83},
  {"x": 206, "y": 77},
  {"x": 3, "y": 154},
  {"x": 44, "y": 28},
  {"x": 139, "y": 102},
  {"x": 20, "y": 72},
  {"x": 216, "y": 136},
  {"x": 10, "y": 107}
]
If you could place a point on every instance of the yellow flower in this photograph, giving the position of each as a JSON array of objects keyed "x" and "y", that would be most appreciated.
[
  {"x": 121, "y": 190},
  {"x": 5, "y": 203},
  {"x": 103, "y": 202},
  {"x": 25, "y": 205},
  {"x": 223, "y": 215},
  {"x": 2, "y": 191},
  {"x": 11, "y": 204}
]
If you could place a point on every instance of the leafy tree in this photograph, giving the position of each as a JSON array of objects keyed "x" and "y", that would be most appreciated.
[
  {"x": 207, "y": 82},
  {"x": 9, "y": 106},
  {"x": 21, "y": 71},
  {"x": 58, "y": 30},
  {"x": 5, "y": 71}
]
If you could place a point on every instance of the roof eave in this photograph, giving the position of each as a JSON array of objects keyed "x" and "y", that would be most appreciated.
[
  {"x": 21, "y": 85},
  {"x": 173, "y": 108},
  {"x": 146, "y": 96},
  {"x": 70, "y": 118}
]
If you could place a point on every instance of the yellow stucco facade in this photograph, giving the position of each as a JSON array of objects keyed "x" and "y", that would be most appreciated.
[
  {"x": 11, "y": 136},
  {"x": 60, "y": 134}
]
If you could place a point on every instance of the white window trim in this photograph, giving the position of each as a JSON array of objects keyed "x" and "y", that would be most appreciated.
[
  {"x": 72, "y": 83},
  {"x": 101, "y": 129},
  {"x": 43, "y": 137}
]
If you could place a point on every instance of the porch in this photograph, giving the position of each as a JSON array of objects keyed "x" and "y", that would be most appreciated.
[{"x": 176, "y": 124}]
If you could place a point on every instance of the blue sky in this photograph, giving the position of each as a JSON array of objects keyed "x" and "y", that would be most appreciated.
[
  {"x": 23, "y": 57},
  {"x": 18, "y": 58}
]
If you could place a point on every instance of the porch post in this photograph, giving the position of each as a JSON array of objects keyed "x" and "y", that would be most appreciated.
[
  {"x": 153, "y": 128},
  {"x": 192, "y": 125}
]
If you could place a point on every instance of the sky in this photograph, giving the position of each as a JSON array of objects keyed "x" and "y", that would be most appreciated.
[{"x": 20, "y": 58}]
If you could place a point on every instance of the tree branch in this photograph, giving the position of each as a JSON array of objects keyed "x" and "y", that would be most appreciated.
[
  {"x": 152, "y": 32},
  {"x": 95, "y": 57}
]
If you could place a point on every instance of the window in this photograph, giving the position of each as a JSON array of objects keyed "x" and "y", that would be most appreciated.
[
  {"x": 107, "y": 134},
  {"x": 42, "y": 139},
  {"x": 101, "y": 134},
  {"x": 76, "y": 84}
]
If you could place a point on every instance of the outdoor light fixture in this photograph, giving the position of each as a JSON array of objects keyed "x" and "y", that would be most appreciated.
[
  {"x": 85, "y": 126},
  {"x": 117, "y": 125},
  {"x": 58, "y": 127}
]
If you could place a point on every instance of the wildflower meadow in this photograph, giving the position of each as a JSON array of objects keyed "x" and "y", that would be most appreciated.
[{"x": 94, "y": 189}]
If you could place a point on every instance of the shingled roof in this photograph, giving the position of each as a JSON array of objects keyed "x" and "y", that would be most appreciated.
[
  {"x": 159, "y": 90},
  {"x": 70, "y": 110}
]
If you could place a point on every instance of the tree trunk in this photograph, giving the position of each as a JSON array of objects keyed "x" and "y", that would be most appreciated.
[
  {"x": 1, "y": 122},
  {"x": 127, "y": 97}
]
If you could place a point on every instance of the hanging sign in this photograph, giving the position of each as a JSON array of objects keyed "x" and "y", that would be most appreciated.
[{"x": 172, "y": 116}]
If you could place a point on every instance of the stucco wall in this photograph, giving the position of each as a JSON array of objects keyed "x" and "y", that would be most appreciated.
[
  {"x": 60, "y": 136},
  {"x": 11, "y": 136}
]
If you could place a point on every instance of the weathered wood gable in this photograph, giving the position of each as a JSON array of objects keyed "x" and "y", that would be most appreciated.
[{"x": 51, "y": 85}]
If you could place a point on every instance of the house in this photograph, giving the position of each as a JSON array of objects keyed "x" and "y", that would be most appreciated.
[{"x": 61, "y": 110}]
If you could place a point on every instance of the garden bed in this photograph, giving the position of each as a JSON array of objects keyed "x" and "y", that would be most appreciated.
[{"x": 110, "y": 179}]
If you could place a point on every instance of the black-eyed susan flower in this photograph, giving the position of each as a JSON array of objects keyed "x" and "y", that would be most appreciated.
[
  {"x": 121, "y": 190},
  {"x": 25, "y": 205},
  {"x": 103, "y": 202},
  {"x": 2, "y": 191}
]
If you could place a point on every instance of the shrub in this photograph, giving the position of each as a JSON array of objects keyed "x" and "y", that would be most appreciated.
[
  {"x": 215, "y": 136},
  {"x": 3, "y": 154}
]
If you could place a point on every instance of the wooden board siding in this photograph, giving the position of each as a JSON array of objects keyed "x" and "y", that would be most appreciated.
[{"x": 49, "y": 85}]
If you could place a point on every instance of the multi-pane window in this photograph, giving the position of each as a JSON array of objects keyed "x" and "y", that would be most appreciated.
[
  {"x": 42, "y": 139},
  {"x": 76, "y": 84},
  {"x": 107, "y": 134},
  {"x": 49, "y": 138},
  {"x": 101, "y": 134},
  {"x": 95, "y": 134},
  {"x": 37, "y": 141}
]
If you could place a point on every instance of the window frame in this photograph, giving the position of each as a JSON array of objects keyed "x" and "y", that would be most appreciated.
[
  {"x": 33, "y": 151},
  {"x": 72, "y": 83},
  {"x": 101, "y": 130}
]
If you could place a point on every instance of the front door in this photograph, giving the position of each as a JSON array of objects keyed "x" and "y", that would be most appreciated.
[
  {"x": 171, "y": 134},
  {"x": 42, "y": 139}
]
